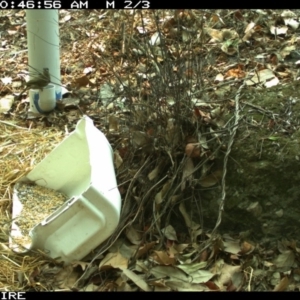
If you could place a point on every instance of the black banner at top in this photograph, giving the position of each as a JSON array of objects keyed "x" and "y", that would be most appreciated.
[{"x": 115, "y": 4}]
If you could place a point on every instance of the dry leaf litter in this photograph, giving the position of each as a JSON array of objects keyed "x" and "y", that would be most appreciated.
[{"x": 176, "y": 96}]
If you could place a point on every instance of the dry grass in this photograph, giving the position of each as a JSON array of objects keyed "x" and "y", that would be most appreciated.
[{"x": 21, "y": 149}]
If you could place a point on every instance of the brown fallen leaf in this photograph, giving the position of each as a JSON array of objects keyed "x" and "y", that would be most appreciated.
[
  {"x": 282, "y": 285},
  {"x": 113, "y": 123},
  {"x": 163, "y": 258},
  {"x": 80, "y": 82},
  {"x": 187, "y": 173},
  {"x": 193, "y": 150},
  {"x": 138, "y": 280},
  {"x": 113, "y": 260},
  {"x": 246, "y": 248},
  {"x": 144, "y": 249}
]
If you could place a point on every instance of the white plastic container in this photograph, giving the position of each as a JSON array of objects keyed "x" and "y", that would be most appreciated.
[{"x": 81, "y": 167}]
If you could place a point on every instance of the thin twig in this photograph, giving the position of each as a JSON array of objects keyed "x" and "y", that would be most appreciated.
[
  {"x": 230, "y": 143},
  {"x": 13, "y": 125},
  {"x": 223, "y": 182}
]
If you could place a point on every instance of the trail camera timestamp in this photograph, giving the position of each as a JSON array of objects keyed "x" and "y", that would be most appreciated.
[
  {"x": 69, "y": 4},
  {"x": 31, "y": 4}
]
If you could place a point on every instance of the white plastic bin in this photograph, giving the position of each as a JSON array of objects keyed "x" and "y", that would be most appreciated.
[{"x": 81, "y": 167}]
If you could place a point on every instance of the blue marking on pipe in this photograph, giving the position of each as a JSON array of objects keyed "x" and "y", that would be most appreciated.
[
  {"x": 36, "y": 99},
  {"x": 58, "y": 96}
]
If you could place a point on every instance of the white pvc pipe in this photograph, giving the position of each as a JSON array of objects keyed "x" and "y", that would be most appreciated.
[{"x": 43, "y": 52}]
